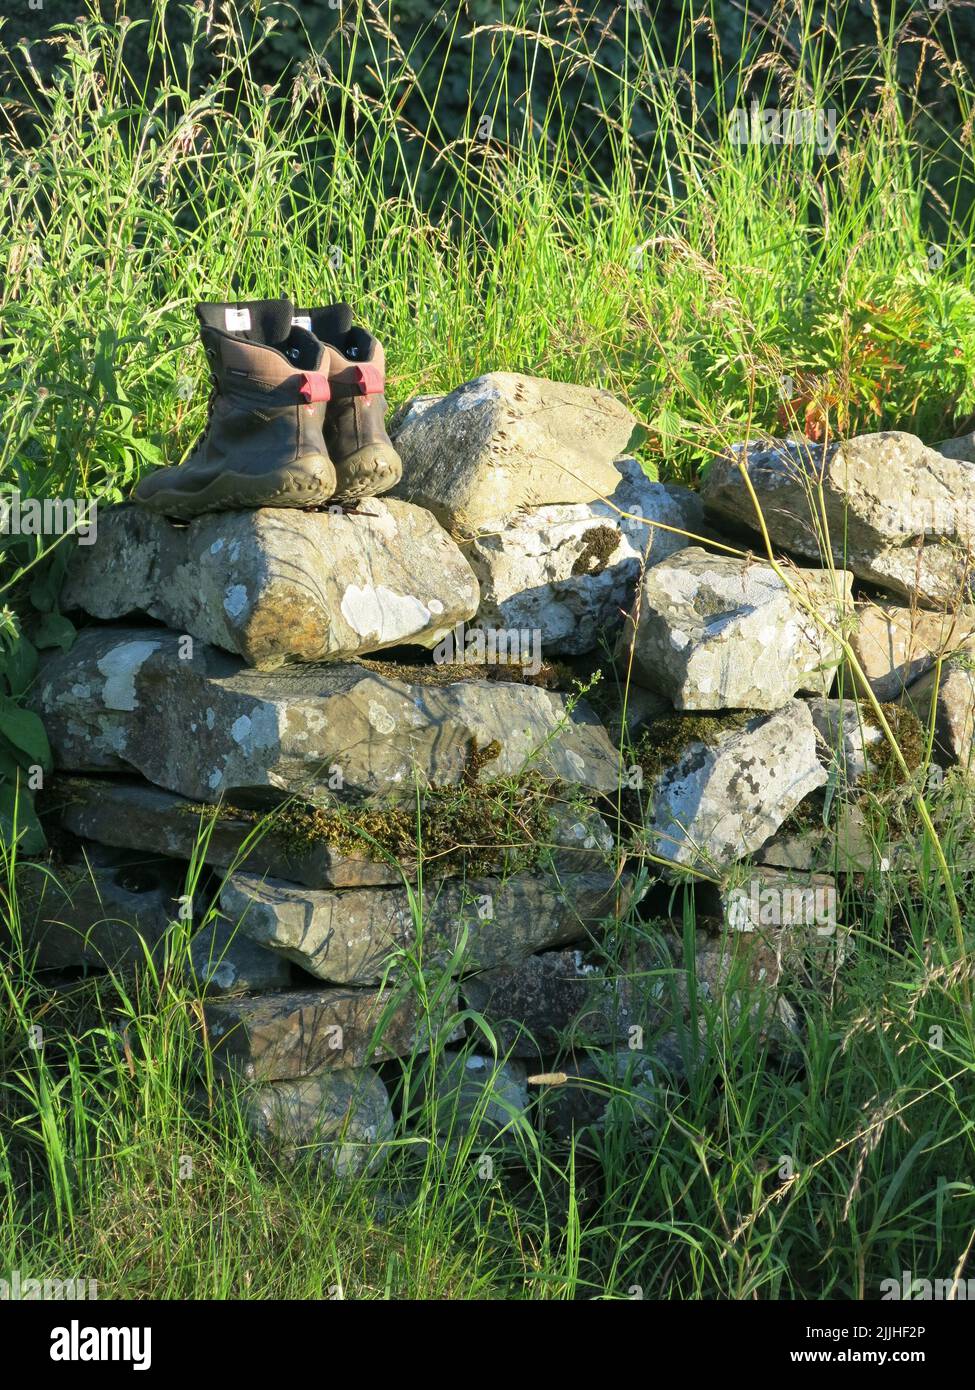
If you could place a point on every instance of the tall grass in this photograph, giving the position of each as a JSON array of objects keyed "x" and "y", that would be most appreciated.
[{"x": 720, "y": 290}]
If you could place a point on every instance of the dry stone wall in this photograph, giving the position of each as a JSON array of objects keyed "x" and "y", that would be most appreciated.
[{"x": 370, "y": 726}]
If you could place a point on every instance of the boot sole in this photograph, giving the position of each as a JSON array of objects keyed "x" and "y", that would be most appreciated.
[
  {"x": 367, "y": 473},
  {"x": 234, "y": 492}
]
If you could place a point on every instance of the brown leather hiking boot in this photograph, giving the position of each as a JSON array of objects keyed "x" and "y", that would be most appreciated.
[
  {"x": 263, "y": 445},
  {"x": 355, "y": 432}
]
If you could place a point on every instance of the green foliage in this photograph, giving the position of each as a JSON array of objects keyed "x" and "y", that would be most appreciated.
[{"x": 24, "y": 749}]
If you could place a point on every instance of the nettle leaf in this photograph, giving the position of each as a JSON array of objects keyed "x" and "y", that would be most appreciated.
[
  {"x": 19, "y": 664},
  {"x": 54, "y": 630},
  {"x": 18, "y": 820},
  {"x": 22, "y": 730},
  {"x": 9, "y": 766},
  {"x": 46, "y": 587}
]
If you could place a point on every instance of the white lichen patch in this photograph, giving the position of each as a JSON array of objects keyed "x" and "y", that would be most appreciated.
[
  {"x": 120, "y": 667},
  {"x": 235, "y": 600},
  {"x": 380, "y": 718},
  {"x": 376, "y": 613}
]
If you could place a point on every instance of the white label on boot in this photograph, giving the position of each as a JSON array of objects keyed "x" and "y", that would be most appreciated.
[
  {"x": 302, "y": 321},
  {"x": 237, "y": 320}
]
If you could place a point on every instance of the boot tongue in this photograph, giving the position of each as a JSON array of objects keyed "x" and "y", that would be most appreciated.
[
  {"x": 272, "y": 322},
  {"x": 331, "y": 324},
  {"x": 266, "y": 322}
]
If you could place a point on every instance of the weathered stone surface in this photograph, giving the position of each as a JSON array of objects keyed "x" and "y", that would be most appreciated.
[
  {"x": 348, "y": 936},
  {"x": 846, "y": 738},
  {"x": 715, "y": 632},
  {"x": 272, "y": 1037},
  {"x": 503, "y": 442},
  {"x": 279, "y": 585},
  {"x": 898, "y": 514},
  {"x": 568, "y": 573},
  {"x": 603, "y": 1090},
  {"x": 558, "y": 1001},
  {"x": 205, "y": 726},
  {"x": 894, "y": 645},
  {"x": 953, "y": 698},
  {"x": 343, "y": 1118},
  {"x": 225, "y": 961},
  {"x": 137, "y": 815},
  {"x": 111, "y": 915},
  {"x": 718, "y": 801}
]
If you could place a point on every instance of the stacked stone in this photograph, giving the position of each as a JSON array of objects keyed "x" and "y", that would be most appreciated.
[
  {"x": 644, "y": 569},
  {"x": 245, "y": 679},
  {"x": 228, "y": 676},
  {"x": 894, "y": 521}
]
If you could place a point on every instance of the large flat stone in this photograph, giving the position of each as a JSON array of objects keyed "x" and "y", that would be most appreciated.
[
  {"x": 796, "y": 915},
  {"x": 226, "y": 961},
  {"x": 846, "y": 846},
  {"x": 618, "y": 1090},
  {"x": 715, "y": 632},
  {"x": 503, "y": 442},
  {"x": 136, "y": 815},
  {"x": 272, "y": 1037},
  {"x": 742, "y": 973},
  {"x": 342, "y": 1118},
  {"x": 848, "y": 738},
  {"x": 349, "y": 936},
  {"x": 278, "y": 585},
  {"x": 568, "y": 573},
  {"x": 556, "y": 1002},
  {"x": 112, "y": 915},
  {"x": 716, "y": 801},
  {"x": 200, "y": 723},
  {"x": 962, "y": 447},
  {"x": 466, "y": 1091},
  {"x": 898, "y": 514},
  {"x": 894, "y": 644}
]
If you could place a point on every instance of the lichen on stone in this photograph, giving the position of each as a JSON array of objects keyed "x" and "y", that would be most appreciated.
[{"x": 667, "y": 739}]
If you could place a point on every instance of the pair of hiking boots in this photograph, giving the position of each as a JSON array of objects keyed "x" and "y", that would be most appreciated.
[{"x": 296, "y": 414}]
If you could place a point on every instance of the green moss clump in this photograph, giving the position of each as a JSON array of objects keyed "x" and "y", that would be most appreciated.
[
  {"x": 665, "y": 740},
  {"x": 808, "y": 815},
  {"x": 885, "y": 771},
  {"x": 598, "y": 546},
  {"x": 473, "y": 826},
  {"x": 708, "y": 604},
  {"x": 551, "y": 675}
]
